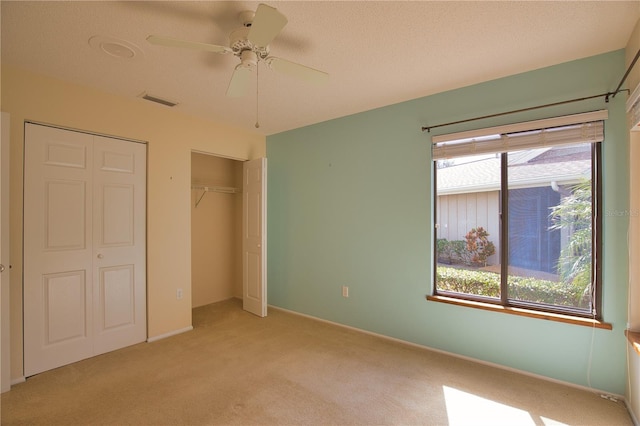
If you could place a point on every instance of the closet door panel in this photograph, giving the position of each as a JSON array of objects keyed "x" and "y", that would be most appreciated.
[
  {"x": 64, "y": 215},
  {"x": 119, "y": 243},
  {"x": 65, "y": 307},
  {"x": 117, "y": 216},
  {"x": 117, "y": 294},
  {"x": 58, "y": 313}
]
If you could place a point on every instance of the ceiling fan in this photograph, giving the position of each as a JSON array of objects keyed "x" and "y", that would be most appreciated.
[{"x": 250, "y": 44}]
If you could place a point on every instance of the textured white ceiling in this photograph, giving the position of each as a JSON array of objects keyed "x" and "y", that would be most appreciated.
[{"x": 377, "y": 53}]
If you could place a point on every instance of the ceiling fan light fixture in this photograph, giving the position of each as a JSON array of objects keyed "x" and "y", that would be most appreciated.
[{"x": 249, "y": 58}]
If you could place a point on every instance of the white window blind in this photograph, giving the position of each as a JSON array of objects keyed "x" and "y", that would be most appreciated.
[{"x": 569, "y": 129}]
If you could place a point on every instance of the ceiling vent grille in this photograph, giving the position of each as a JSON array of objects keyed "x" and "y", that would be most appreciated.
[{"x": 158, "y": 100}]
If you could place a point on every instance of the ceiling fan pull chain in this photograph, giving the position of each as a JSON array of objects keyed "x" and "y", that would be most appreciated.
[{"x": 257, "y": 80}]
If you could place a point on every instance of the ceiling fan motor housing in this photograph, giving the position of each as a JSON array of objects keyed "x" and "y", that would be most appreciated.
[
  {"x": 239, "y": 43},
  {"x": 246, "y": 17}
]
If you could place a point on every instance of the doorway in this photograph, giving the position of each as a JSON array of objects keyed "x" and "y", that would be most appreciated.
[
  {"x": 216, "y": 229},
  {"x": 229, "y": 240}
]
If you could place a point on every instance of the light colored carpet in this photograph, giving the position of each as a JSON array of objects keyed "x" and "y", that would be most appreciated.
[{"x": 235, "y": 368}]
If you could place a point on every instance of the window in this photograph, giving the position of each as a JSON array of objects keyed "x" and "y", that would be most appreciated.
[{"x": 516, "y": 215}]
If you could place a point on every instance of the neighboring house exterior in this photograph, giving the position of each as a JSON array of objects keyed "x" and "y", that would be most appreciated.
[{"x": 469, "y": 197}]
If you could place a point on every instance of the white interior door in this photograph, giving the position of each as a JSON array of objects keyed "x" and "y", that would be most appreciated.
[
  {"x": 84, "y": 245},
  {"x": 254, "y": 237},
  {"x": 119, "y": 275},
  {"x": 5, "y": 330},
  {"x": 58, "y": 295}
]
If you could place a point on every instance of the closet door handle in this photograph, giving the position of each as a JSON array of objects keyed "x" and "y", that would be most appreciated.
[
  {"x": 100, "y": 255},
  {"x": 1, "y": 267}
]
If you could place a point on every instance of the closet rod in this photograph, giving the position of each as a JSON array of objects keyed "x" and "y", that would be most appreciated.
[
  {"x": 222, "y": 189},
  {"x": 606, "y": 99}
]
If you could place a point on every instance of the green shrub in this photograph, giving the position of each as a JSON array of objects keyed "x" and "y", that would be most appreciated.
[
  {"x": 441, "y": 246},
  {"x": 467, "y": 281},
  {"x": 482, "y": 283},
  {"x": 451, "y": 251},
  {"x": 459, "y": 250}
]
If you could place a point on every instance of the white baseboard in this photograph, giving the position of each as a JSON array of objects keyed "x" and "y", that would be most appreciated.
[
  {"x": 467, "y": 358},
  {"x": 15, "y": 382},
  {"x": 169, "y": 334},
  {"x": 18, "y": 380}
]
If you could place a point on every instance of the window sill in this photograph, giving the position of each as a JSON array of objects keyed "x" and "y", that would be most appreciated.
[
  {"x": 568, "y": 319},
  {"x": 634, "y": 338}
]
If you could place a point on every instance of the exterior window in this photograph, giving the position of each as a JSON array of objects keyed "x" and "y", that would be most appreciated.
[{"x": 519, "y": 227}]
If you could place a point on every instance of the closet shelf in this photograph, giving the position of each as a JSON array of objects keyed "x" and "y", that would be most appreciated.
[{"x": 214, "y": 188}]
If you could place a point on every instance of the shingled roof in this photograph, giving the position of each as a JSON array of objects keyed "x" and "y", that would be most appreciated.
[{"x": 532, "y": 168}]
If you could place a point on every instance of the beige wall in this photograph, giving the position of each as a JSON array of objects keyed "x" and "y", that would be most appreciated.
[
  {"x": 632, "y": 48},
  {"x": 216, "y": 231},
  {"x": 171, "y": 137}
]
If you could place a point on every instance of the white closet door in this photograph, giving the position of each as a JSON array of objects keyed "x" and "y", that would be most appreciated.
[
  {"x": 119, "y": 276},
  {"x": 80, "y": 297},
  {"x": 254, "y": 237},
  {"x": 58, "y": 295},
  {"x": 5, "y": 262}
]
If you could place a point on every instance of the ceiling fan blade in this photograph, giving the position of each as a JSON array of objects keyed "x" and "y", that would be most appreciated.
[
  {"x": 172, "y": 42},
  {"x": 239, "y": 82},
  {"x": 266, "y": 25},
  {"x": 296, "y": 70}
]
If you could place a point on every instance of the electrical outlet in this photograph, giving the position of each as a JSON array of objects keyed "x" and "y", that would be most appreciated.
[
  {"x": 345, "y": 291},
  {"x": 179, "y": 294}
]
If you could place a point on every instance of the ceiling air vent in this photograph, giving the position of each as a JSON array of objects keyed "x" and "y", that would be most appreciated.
[{"x": 158, "y": 100}]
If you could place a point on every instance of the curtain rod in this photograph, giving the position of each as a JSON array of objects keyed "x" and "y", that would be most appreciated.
[
  {"x": 626, "y": 74},
  {"x": 606, "y": 99}
]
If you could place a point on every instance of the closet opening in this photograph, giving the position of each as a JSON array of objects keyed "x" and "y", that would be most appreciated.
[{"x": 216, "y": 229}]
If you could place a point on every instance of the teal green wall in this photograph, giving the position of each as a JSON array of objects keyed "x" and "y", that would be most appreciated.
[{"x": 350, "y": 204}]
